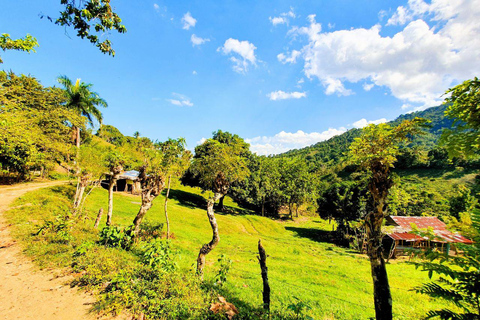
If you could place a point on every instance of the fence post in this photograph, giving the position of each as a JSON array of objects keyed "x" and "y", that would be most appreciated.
[{"x": 262, "y": 258}]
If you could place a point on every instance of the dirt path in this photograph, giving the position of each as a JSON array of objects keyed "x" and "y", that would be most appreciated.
[{"x": 25, "y": 291}]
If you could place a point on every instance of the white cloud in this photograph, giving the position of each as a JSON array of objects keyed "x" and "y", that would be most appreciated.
[
  {"x": 194, "y": 72},
  {"x": 188, "y": 21},
  {"x": 180, "y": 100},
  {"x": 283, "y": 18},
  {"x": 364, "y": 122},
  {"x": 196, "y": 41},
  {"x": 281, "y": 95},
  {"x": 156, "y": 6},
  {"x": 368, "y": 86},
  {"x": 245, "y": 52},
  {"x": 331, "y": 25},
  {"x": 284, "y": 141},
  {"x": 201, "y": 141},
  {"x": 291, "y": 58},
  {"x": 400, "y": 17},
  {"x": 417, "y": 64}
]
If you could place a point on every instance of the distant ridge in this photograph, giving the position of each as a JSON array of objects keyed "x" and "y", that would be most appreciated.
[{"x": 332, "y": 150}]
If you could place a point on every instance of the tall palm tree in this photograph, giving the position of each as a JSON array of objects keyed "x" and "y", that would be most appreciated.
[
  {"x": 84, "y": 101},
  {"x": 81, "y": 99}
]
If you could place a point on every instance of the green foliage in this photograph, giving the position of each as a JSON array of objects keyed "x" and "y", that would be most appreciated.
[
  {"x": 27, "y": 44},
  {"x": 36, "y": 128},
  {"x": 111, "y": 135},
  {"x": 459, "y": 280},
  {"x": 158, "y": 254},
  {"x": 464, "y": 109},
  {"x": 81, "y": 99},
  {"x": 299, "y": 308},
  {"x": 84, "y": 15},
  {"x": 115, "y": 237},
  {"x": 57, "y": 229},
  {"x": 217, "y": 165},
  {"x": 223, "y": 270}
]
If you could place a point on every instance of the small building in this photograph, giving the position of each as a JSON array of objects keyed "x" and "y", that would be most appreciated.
[
  {"x": 127, "y": 182},
  {"x": 399, "y": 238}
]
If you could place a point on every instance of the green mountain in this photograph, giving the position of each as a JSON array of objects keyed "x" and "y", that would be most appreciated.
[{"x": 331, "y": 151}]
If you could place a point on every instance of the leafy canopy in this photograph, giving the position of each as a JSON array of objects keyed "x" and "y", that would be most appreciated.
[
  {"x": 465, "y": 109},
  {"x": 26, "y": 44}
]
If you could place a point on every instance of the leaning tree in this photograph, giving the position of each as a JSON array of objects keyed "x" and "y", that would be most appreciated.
[
  {"x": 152, "y": 181},
  {"x": 376, "y": 151},
  {"x": 216, "y": 165}
]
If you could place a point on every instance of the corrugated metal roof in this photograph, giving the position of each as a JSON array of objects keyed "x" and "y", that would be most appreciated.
[
  {"x": 420, "y": 222},
  {"x": 129, "y": 175},
  {"x": 405, "y": 236}
]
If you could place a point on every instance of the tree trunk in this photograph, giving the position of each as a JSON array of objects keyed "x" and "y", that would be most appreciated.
[
  {"x": 262, "y": 258},
  {"x": 110, "y": 200},
  {"x": 81, "y": 190},
  {"x": 166, "y": 206},
  {"x": 206, "y": 248},
  {"x": 146, "y": 204},
  {"x": 99, "y": 216},
  {"x": 220, "y": 204},
  {"x": 114, "y": 174},
  {"x": 381, "y": 287},
  {"x": 379, "y": 187},
  {"x": 263, "y": 207}
]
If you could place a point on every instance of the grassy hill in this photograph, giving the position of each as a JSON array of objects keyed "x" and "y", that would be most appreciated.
[{"x": 304, "y": 267}]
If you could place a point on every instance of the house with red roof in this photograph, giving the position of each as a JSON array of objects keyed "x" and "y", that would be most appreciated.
[{"x": 399, "y": 237}]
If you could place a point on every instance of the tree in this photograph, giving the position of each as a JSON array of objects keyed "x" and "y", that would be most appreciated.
[
  {"x": 34, "y": 125},
  {"x": 26, "y": 44},
  {"x": 114, "y": 162},
  {"x": 376, "y": 151},
  {"x": 216, "y": 165},
  {"x": 464, "y": 100},
  {"x": 152, "y": 180},
  {"x": 459, "y": 280},
  {"x": 344, "y": 202},
  {"x": 83, "y": 101},
  {"x": 175, "y": 161}
]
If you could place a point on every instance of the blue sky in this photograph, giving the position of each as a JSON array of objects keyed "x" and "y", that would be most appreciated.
[{"x": 281, "y": 74}]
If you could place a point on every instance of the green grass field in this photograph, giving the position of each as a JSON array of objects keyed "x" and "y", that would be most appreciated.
[{"x": 334, "y": 281}]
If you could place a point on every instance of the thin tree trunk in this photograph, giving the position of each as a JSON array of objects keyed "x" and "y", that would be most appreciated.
[
  {"x": 166, "y": 207},
  {"x": 220, "y": 204},
  {"x": 262, "y": 258},
  {"x": 206, "y": 248},
  {"x": 99, "y": 216},
  {"x": 80, "y": 195},
  {"x": 263, "y": 207},
  {"x": 110, "y": 200}
]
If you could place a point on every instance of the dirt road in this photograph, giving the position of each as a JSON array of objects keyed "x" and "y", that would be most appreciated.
[{"x": 25, "y": 291}]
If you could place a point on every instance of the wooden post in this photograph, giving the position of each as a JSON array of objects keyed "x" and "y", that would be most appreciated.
[
  {"x": 262, "y": 258},
  {"x": 99, "y": 216}
]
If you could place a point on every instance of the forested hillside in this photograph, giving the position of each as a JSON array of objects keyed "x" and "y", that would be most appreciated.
[{"x": 332, "y": 151}]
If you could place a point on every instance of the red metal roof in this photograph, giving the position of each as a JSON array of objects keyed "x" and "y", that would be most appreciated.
[
  {"x": 403, "y": 226},
  {"x": 405, "y": 236},
  {"x": 420, "y": 222}
]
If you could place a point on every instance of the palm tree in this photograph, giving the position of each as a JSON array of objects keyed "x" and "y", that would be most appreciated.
[{"x": 80, "y": 98}]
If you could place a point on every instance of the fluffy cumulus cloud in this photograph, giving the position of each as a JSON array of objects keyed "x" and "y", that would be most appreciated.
[
  {"x": 284, "y": 141},
  {"x": 180, "y": 100},
  {"x": 188, "y": 21},
  {"x": 284, "y": 18},
  {"x": 437, "y": 47},
  {"x": 197, "y": 41},
  {"x": 242, "y": 54},
  {"x": 281, "y": 95},
  {"x": 364, "y": 122}
]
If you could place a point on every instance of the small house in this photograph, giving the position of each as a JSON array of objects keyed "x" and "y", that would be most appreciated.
[
  {"x": 399, "y": 237},
  {"x": 127, "y": 182}
]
